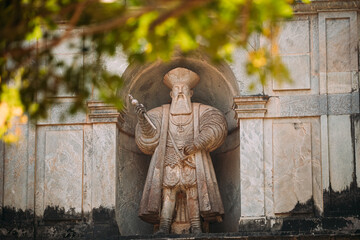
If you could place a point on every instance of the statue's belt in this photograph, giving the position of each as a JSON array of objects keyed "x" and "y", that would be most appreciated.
[{"x": 183, "y": 157}]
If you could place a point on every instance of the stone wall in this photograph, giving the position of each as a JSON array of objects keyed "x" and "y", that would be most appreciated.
[
  {"x": 291, "y": 162},
  {"x": 302, "y": 160}
]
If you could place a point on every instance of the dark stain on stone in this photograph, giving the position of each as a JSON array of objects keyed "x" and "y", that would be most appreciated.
[
  {"x": 344, "y": 203},
  {"x": 332, "y": 223},
  {"x": 57, "y": 223},
  {"x": 300, "y": 225},
  {"x": 101, "y": 214},
  {"x": 56, "y": 213},
  {"x": 12, "y": 215},
  {"x": 16, "y": 224},
  {"x": 105, "y": 225},
  {"x": 303, "y": 208}
]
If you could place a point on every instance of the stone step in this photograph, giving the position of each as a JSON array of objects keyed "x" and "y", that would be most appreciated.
[{"x": 253, "y": 236}]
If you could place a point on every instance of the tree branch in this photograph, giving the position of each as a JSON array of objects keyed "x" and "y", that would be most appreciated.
[{"x": 178, "y": 11}]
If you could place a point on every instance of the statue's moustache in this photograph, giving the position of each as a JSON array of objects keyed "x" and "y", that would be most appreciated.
[{"x": 180, "y": 95}]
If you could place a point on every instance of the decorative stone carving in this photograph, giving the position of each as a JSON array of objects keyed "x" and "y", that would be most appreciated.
[
  {"x": 102, "y": 112},
  {"x": 250, "y": 107},
  {"x": 181, "y": 185}
]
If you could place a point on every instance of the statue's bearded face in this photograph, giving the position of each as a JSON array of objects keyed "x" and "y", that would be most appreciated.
[{"x": 181, "y": 99}]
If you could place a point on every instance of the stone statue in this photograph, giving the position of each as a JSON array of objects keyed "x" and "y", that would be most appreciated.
[{"x": 181, "y": 187}]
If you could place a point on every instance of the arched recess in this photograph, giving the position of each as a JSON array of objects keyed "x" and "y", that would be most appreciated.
[{"x": 217, "y": 87}]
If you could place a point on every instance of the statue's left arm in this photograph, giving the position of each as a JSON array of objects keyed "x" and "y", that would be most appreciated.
[{"x": 213, "y": 131}]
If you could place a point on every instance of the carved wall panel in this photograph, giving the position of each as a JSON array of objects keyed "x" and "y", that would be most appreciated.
[
  {"x": 59, "y": 169},
  {"x": 292, "y": 165},
  {"x": 296, "y": 158},
  {"x": 294, "y": 48},
  {"x": 338, "y": 57}
]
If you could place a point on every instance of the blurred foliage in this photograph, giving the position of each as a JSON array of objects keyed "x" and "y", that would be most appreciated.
[{"x": 149, "y": 30}]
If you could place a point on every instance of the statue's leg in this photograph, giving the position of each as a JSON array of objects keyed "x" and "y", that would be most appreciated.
[
  {"x": 169, "y": 197},
  {"x": 194, "y": 211}
]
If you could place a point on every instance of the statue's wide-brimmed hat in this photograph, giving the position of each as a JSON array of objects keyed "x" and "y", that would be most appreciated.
[{"x": 181, "y": 75}]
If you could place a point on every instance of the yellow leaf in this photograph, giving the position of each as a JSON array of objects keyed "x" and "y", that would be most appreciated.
[
  {"x": 4, "y": 111},
  {"x": 23, "y": 119},
  {"x": 10, "y": 138},
  {"x": 17, "y": 111}
]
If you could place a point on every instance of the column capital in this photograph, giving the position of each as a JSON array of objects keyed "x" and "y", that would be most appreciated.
[
  {"x": 102, "y": 112},
  {"x": 250, "y": 106}
]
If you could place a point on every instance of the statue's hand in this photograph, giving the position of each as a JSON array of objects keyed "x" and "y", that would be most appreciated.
[
  {"x": 140, "y": 110},
  {"x": 190, "y": 149}
]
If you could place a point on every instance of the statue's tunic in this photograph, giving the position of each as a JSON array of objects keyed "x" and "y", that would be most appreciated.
[
  {"x": 179, "y": 173},
  {"x": 208, "y": 127}
]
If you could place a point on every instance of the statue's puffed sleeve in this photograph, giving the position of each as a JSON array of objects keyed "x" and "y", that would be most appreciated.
[
  {"x": 146, "y": 137},
  {"x": 213, "y": 129}
]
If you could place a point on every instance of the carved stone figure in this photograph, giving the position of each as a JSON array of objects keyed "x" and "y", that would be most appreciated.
[{"x": 181, "y": 186}]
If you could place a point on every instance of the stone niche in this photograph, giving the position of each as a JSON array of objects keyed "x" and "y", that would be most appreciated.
[{"x": 216, "y": 88}]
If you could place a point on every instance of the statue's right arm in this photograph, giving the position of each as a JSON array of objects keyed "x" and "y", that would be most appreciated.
[{"x": 146, "y": 137}]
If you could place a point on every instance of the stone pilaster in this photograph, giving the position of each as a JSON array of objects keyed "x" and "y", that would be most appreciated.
[
  {"x": 104, "y": 120},
  {"x": 250, "y": 111}
]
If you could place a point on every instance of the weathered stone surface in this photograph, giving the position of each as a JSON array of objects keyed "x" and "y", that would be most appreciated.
[
  {"x": 356, "y": 139},
  {"x": 299, "y": 68},
  {"x": 103, "y": 185},
  {"x": 251, "y": 168},
  {"x": 299, "y": 105},
  {"x": 338, "y": 57},
  {"x": 295, "y": 37},
  {"x": 339, "y": 82},
  {"x": 132, "y": 168},
  {"x": 339, "y": 104},
  {"x": 15, "y": 171},
  {"x": 227, "y": 168},
  {"x": 312, "y": 105},
  {"x": 338, "y": 44},
  {"x": 59, "y": 168},
  {"x": 328, "y": 5},
  {"x": 341, "y": 159},
  {"x": 294, "y": 48},
  {"x": 59, "y": 114},
  {"x": 325, "y": 153},
  {"x": 292, "y": 165},
  {"x": 87, "y": 172},
  {"x": 63, "y": 162},
  {"x": 316, "y": 166},
  {"x": 268, "y": 164}
]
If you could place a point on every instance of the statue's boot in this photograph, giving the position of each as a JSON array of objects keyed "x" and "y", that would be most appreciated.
[
  {"x": 167, "y": 210},
  {"x": 195, "y": 225},
  {"x": 193, "y": 209},
  {"x": 164, "y": 227}
]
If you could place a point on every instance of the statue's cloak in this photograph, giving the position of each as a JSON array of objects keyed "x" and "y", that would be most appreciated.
[{"x": 210, "y": 203}]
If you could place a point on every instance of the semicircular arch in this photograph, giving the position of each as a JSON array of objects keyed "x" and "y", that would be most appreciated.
[{"x": 217, "y": 85}]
